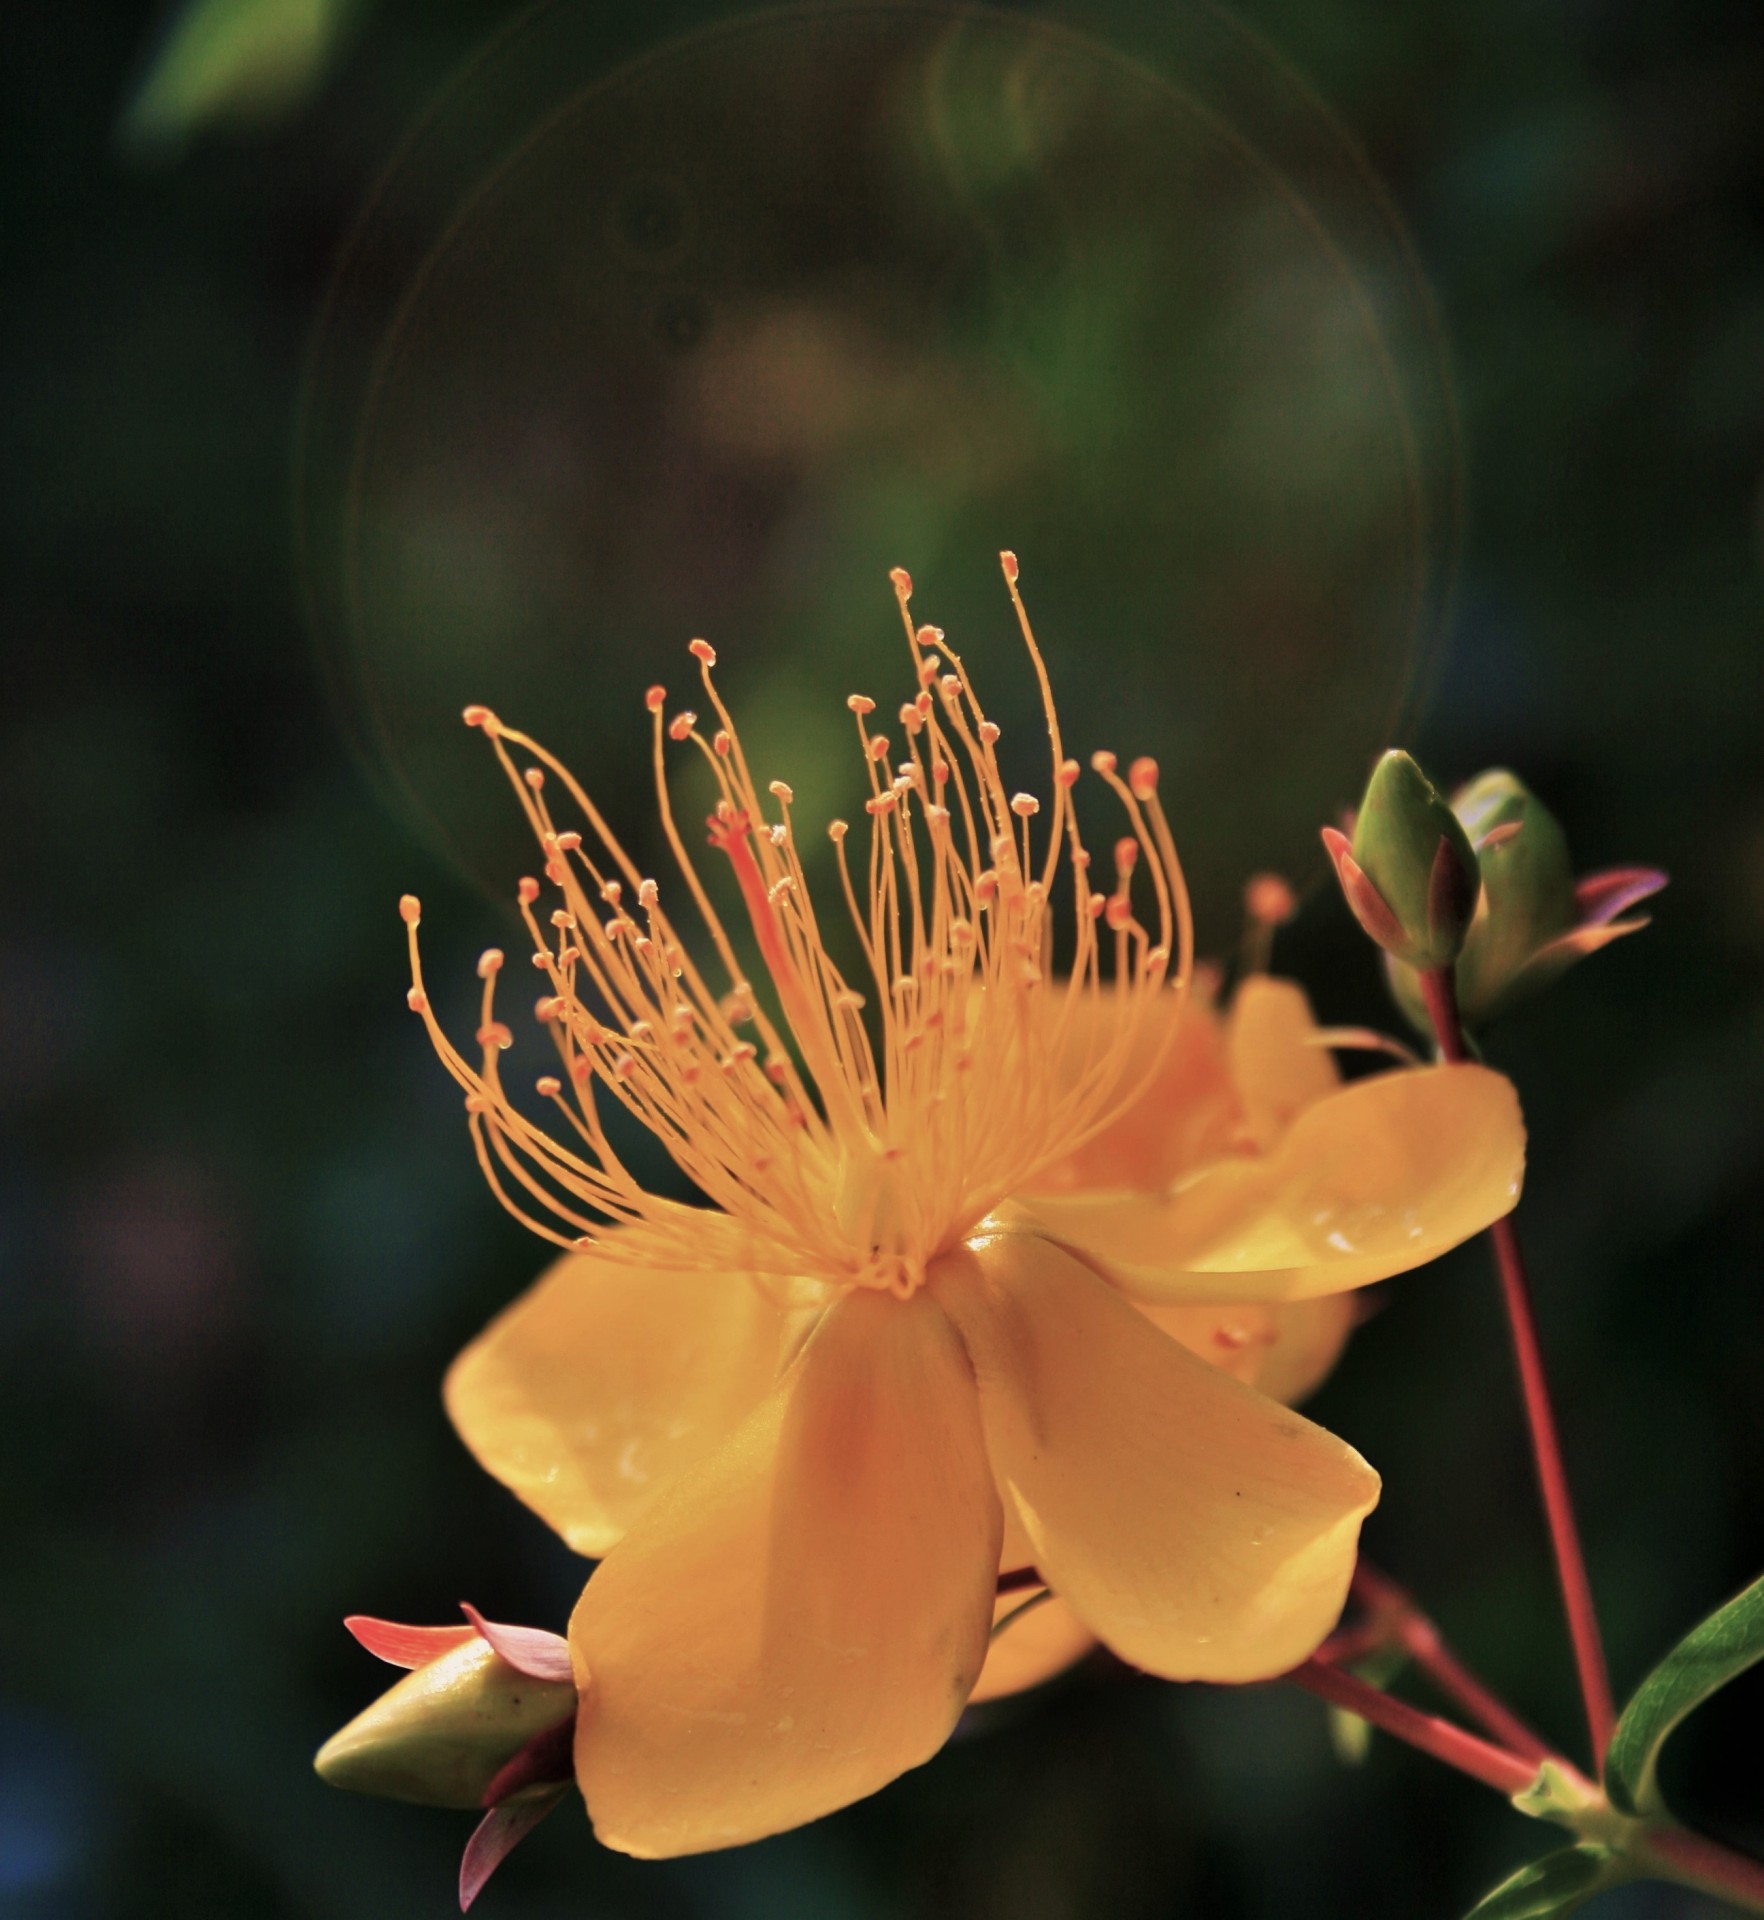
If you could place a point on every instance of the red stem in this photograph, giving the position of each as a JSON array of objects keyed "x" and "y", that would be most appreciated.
[
  {"x": 1713, "y": 1867},
  {"x": 1422, "y": 1641},
  {"x": 1494, "y": 1766},
  {"x": 1440, "y": 990}
]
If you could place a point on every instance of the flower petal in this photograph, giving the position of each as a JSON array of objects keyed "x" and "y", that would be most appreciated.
[
  {"x": 803, "y": 1617},
  {"x": 1381, "y": 1177},
  {"x": 1041, "y": 1640},
  {"x": 1200, "y": 1530},
  {"x": 1185, "y": 1117},
  {"x": 1284, "y": 1350},
  {"x": 1277, "y": 1070},
  {"x": 607, "y": 1378}
]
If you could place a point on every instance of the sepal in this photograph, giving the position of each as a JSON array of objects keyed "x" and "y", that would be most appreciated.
[
  {"x": 466, "y": 1724},
  {"x": 1409, "y": 873}
]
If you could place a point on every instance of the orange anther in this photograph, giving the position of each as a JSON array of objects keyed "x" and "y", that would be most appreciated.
[
  {"x": 410, "y": 909},
  {"x": 655, "y": 699},
  {"x": 988, "y": 731},
  {"x": 1142, "y": 777},
  {"x": 1126, "y": 854},
  {"x": 569, "y": 842},
  {"x": 1120, "y": 911},
  {"x": 528, "y": 891},
  {"x": 860, "y": 703},
  {"x": 720, "y": 743},
  {"x": 534, "y": 777},
  {"x": 903, "y": 582},
  {"x": 1068, "y": 773},
  {"x": 1268, "y": 898},
  {"x": 1008, "y": 561},
  {"x": 1024, "y": 804},
  {"x": 417, "y": 1000},
  {"x": 779, "y": 791},
  {"x": 703, "y": 652},
  {"x": 548, "y": 1086},
  {"x": 489, "y": 963},
  {"x": 1103, "y": 761},
  {"x": 475, "y": 716},
  {"x": 680, "y": 727}
]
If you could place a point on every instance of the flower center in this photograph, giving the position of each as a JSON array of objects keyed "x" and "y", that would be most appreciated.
[{"x": 847, "y": 1137}]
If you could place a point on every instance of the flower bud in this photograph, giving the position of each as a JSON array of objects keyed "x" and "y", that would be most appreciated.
[
  {"x": 450, "y": 1732},
  {"x": 1409, "y": 873},
  {"x": 1534, "y": 920}
]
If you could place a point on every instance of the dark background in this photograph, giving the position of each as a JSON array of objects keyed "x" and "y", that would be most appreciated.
[{"x": 240, "y": 1235}]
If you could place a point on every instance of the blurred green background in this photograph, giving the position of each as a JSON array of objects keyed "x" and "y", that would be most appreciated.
[{"x": 705, "y": 348}]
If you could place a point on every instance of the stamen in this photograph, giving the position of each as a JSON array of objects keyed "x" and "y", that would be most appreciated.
[{"x": 852, "y": 1153}]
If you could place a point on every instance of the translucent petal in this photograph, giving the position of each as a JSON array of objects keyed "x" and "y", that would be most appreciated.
[
  {"x": 1038, "y": 1643},
  {"x": 1197, "y": 1528},
  {"x": 802, "y": 1618},
  {"x": 1378, "y": 1178},
  {"x": 607, "y": 1377}
]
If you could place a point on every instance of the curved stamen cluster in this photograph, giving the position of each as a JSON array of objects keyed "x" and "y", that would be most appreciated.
[{"x": 844, "y": 1150}]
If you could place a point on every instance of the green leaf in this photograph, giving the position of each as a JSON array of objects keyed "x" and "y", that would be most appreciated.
[
  {"x": 232, "y": 60},
  {"x": 1710, "y": 1655},
  {"x": 1556, "y": 1884}
]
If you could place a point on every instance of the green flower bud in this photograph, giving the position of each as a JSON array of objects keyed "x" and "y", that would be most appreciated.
[
  {"x": 1409, "y": 873},
  {"x": 1534, "y": 919},
  {"x": 445, "y": 1732},
  {"x": 1527, "y": 886}
]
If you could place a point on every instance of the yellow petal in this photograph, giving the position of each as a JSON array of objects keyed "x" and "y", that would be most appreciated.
[
  {"x": 803, "y": 1617},
  {"x": 1276, "y": 1071},
  {"x": 606, "y": 1378},
  {"x": 1185, "y": 1117},
  {"x": 1308, "y": 1338},
  {"x": 1284, "y": 1350},
  {"x": 1197, "y": 1528},
  {"x": 1038, "y": 1643},
  {"x": 1382, "y": 1176}
]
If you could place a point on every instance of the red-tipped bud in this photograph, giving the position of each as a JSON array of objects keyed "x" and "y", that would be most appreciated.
[
  {"x": 1410, "y": 874},
  {"x": 465, "y": 1711}
]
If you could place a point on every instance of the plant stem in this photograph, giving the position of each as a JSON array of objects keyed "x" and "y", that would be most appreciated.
[
  {"x": 1440, "y": 991},
  {"x": 1707, "y": 1865},
  {"x": 1422, "y": 1641},
  {"x": 1494, "y": 1766}
]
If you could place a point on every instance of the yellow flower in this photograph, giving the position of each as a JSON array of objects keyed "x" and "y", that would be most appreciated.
[
  {"x": 808, "y": 1422},
  {"x": 1230, "y": 1086}
]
